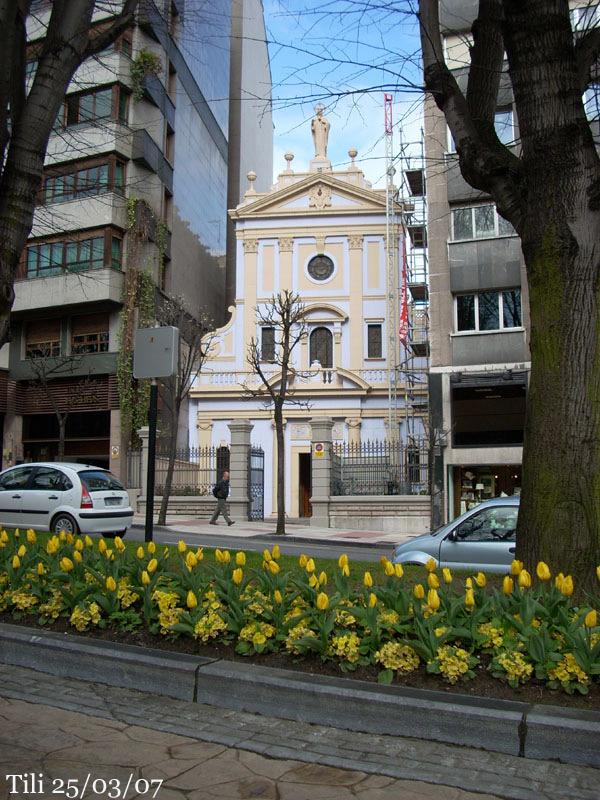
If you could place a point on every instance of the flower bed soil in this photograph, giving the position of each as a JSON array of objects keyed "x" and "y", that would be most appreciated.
[{"x": 482, "y": 685}]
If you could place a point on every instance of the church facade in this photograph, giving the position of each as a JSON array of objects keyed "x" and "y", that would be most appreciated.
[{"x": 321, "y": 235}]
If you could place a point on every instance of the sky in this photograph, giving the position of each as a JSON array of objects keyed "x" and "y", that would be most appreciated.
[{"x": 345, "y": 54}]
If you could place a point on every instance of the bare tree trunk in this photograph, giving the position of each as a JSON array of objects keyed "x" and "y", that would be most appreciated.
[
  {"x": 164, "y": 504},
  {"x": 62, "y": 430},
  {"x": 278, "y": 414}
]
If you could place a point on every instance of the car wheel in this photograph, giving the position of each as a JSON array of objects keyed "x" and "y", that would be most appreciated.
[{"x": 65, "y": 522}]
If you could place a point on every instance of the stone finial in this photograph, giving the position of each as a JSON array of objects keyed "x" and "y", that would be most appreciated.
[
  {"x": 289, "y": 157},
  {"x": 353, "y": 152},
  {"x": 251, "y": 177}
]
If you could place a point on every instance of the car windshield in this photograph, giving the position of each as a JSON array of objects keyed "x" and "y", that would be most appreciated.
[{"x": 99, "y": 481}]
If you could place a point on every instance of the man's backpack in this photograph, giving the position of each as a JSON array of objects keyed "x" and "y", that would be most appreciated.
[{"x": 215, "y": 490}]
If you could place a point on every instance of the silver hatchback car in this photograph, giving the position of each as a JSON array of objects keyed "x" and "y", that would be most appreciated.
[
  {"x": 481, "y": 539},
  {"x": 56, "y": 496}
]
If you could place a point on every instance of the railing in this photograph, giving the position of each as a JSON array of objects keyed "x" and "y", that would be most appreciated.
[
  {"x": 370, "y": 468},
  {"x": 134, "y": 468},
  {"x": 195, "y": 471}
]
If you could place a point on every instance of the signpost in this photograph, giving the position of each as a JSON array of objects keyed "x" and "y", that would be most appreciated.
[{"x": 155, "y": 355}]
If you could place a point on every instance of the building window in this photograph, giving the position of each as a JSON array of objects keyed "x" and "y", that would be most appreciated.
[
  {"x": 503, "y": 125},
  {"x": 479, "y": 222},
  {"x": 585, "y": 17},
  {"x": 42, "y": 339},
  {"x": 89, "y": 334},
  {"x": 489, "y": 311},
  {"x": 54, "y": 258},
  {"x": 91, "y": 107},
  {"x": 321, "y": 348},
  {"x": 320, "y": 268},
  {"x": 85, "y": 182},
  {"x": 267, "y": 344},
  {"x": 374, "y": 341}
]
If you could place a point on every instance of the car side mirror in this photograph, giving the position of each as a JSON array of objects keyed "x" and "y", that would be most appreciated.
[{"x": 453, "y": 537}]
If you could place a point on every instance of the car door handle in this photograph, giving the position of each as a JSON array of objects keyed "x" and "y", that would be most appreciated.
[
  {"x": 52, "y": 497},
  {"x": 511, "y": 549},
  {"x": 16, "y": 497}
]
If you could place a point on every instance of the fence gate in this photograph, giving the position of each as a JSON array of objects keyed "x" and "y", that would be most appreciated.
[{"x": 256, "y": 482}]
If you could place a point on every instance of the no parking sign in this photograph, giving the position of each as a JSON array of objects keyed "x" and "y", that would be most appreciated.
[{"x": 319, "y": 450}]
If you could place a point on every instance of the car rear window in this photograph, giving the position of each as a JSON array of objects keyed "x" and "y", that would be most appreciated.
[{"x": 99, "y": 481}]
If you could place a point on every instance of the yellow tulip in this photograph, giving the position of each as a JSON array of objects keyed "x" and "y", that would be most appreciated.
[
  {"x": 218, "y": 556},
  {"x": 108, "y": 554},
  {"x": 89, "y": 542},
  {"x": 199, "y": 554},
  {"x": 480, "y": 580},
  {"x": 559, "y": 580},
  {"x": 398, "y": 570},
  {"x": 77, "y": 556},
  {"x": 276, "y": 553},
  {"x": 368, "y": 580},
  {"x": 145, "y": 578},
  {"x": 323, "y": 579},
  {"x": 310, "y": 565},
  {"x": 66, "y": 564},
  {"x": 16, "y": 533},
  {"x": 430, "y": 565},
  {"x": 62, "y": 536},
  {"x": 343, "y": 561},
  {"x": 4, "y": 537},
  {"x": 41, "y": 569},
  {"x": 151, "y": 548},
  {"x": 110, "y": 584},
  {"x": 303, "y": 560},
  {"x": 191, "y": 600},
  {"x": 237, "y": 576},
  {"x": 181, "y": 546},
  {"x": 389, "y": 569},
  {"x": 277, "y": 596},
  {"x": 102, "y": 546},
  {"x": 190, "y": 560},
  {"x": 322, "y": 601},
  {"x": 31, "y": 536},
  {"x": 16, "y": 562},
  {"x": 21, "y": 551},
  {"x": 419, "y": 591},
  {"x": 346, "y": 571},
  {"x": 591, "y": 619},
  {"x": 119, "y": 544},
  {"x": 567, "y": 586},
  {"x": 432, "y": 580},
  {"x": 313, "y": 581},
  {"x": 469, "y": 583},
  {"x": 447, "y": 575},
  {"x": 273, "y": 567},
  {"x": 240, "y": 559},
  {"x": 152, "y": 565},
  {"x": 524, "y": 579},
  {"x": 507, "y": 585},
  {"x": 226, "y": 556},
  {"x": 433, "y": 599},
  {"x": 543, "y": 572},
  {"x": 70, "y": 539},
  {"x": 516, "y": 567},
  {"x": 140, "y": 552},
  {"x": 51, "y": 547},
  {"x": 469, "y": 598},
  {"x": 267, "y": 556},
  {"x": 79, "y": 545},
  {"x": 598, "y": 572},
  {"x": 372, "y": 600}
]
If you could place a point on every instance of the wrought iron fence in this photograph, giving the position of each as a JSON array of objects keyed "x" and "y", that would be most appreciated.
[
  {"x": 134, "y": 468},
  {"x": 369, "y": 468}
]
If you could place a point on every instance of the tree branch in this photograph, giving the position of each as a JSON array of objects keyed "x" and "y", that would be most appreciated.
[
  {"x": 100, "y": 39},
  {"x": 587, "y": 51}
]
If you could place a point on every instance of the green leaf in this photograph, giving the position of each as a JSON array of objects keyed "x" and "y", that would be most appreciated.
[{"x": 385, "y": 676}]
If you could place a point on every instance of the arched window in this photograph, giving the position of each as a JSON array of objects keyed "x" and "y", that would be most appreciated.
[{"x": 321, "y": 347}]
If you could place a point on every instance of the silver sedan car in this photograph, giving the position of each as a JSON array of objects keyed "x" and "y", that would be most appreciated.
[{"x": 481, "y": 539}]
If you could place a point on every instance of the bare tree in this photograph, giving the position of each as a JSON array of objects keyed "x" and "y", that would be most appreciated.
[
  {"x": 26, "y": 119},
  {"x": 283, "y": 318},
  {"x": 47, "y": 371},
  {"x": 195, "y": 340},
  {"x": 549, "y": 189}
]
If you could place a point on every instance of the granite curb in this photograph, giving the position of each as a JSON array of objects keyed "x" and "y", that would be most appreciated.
[{"x": 502, "y": 726}]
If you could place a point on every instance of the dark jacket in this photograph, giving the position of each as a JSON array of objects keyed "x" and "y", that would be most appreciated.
[{"x": 221, "y": 489}]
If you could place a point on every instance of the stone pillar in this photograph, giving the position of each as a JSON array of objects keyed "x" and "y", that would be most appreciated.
[
  {"x": 322, "y": 428},
  {"x": 239, "y": 491},
  {"x": 144, "y": 434},
  {"x": 353, "y": 430}
]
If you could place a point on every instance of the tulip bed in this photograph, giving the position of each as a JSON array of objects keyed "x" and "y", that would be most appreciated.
[{"x": 517, "y": 632}]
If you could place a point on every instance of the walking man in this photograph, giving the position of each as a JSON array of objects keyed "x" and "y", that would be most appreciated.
[{"x": 221, "y": 492}]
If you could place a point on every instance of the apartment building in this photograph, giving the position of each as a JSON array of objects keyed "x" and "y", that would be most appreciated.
[
  {"x": 480, "y": 359},
  {"x": 166, "y": 148}
]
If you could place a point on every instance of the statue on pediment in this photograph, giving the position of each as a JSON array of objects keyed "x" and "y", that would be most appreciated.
[{"x": 320, "y": 131}]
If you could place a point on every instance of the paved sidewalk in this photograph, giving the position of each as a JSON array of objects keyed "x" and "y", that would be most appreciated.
[
  {"x": 58, "y": 729},
  {"x": 294, "y": 531}
]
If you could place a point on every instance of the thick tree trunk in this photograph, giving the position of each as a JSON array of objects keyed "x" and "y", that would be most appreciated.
[{"x": 164, "y": 504}]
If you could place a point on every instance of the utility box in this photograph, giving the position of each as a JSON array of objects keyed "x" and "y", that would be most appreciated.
[{"x": 155, "y": 352}]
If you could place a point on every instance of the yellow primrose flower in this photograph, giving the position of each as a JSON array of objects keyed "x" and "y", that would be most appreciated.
[
  {"x": 66, "y": 564},
  {"x": 110, "y": 584},
  {"x": 145, "y": 578},
  {"x": 31, "y": 536},
  {"x": 310, "y": 565},
  {"x": 591, "y": 619},
  {"x": 524, "y": 579},
  {"x": 276, "y": 553},
  {"x": 433, "y": 599},
  {"x": 430, "y": 565},
  {"x": 151, "y": 548},
  {"x": 368, "y": 580},
  {"x": 343, "y": 561},
  {"x": 516, "y": 567},
  {"x": 469, "y": 599},
  {"x": 419, "y": 591},
  {"x": 237, "y": 576},
  {"x": 480, "y": 580},
  {"x": 278, "y": 597},
  {"x": 21, "y": 551},
  {"x": 432, "y": 581},
  {"x": 303, "y": 560},
  {"x": 152, "y": 565},
  {"x": 372, "y": 600},
  {"x": 322, "y": 601},
  {"x": 323, "y": 579},
  {"x": 191, "y": 599},
  {"x": 543, "y": 572},
  {"x": 447, "y": 575},
  {"x": 240, "y": 559},
  {"x": 567, "y": 586},
  {"x": 181, "y": 546},
  {"x": 507, "y": 585},
  {"x": 398, "y": 570}
]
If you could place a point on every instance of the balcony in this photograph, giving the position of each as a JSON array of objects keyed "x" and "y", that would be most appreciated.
[
  {"x": 99, "y": 211},
  {"x": 69, "y": 289}
]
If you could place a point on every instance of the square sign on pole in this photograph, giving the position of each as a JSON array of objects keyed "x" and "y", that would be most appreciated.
[{"x": 155, "y": 352}]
